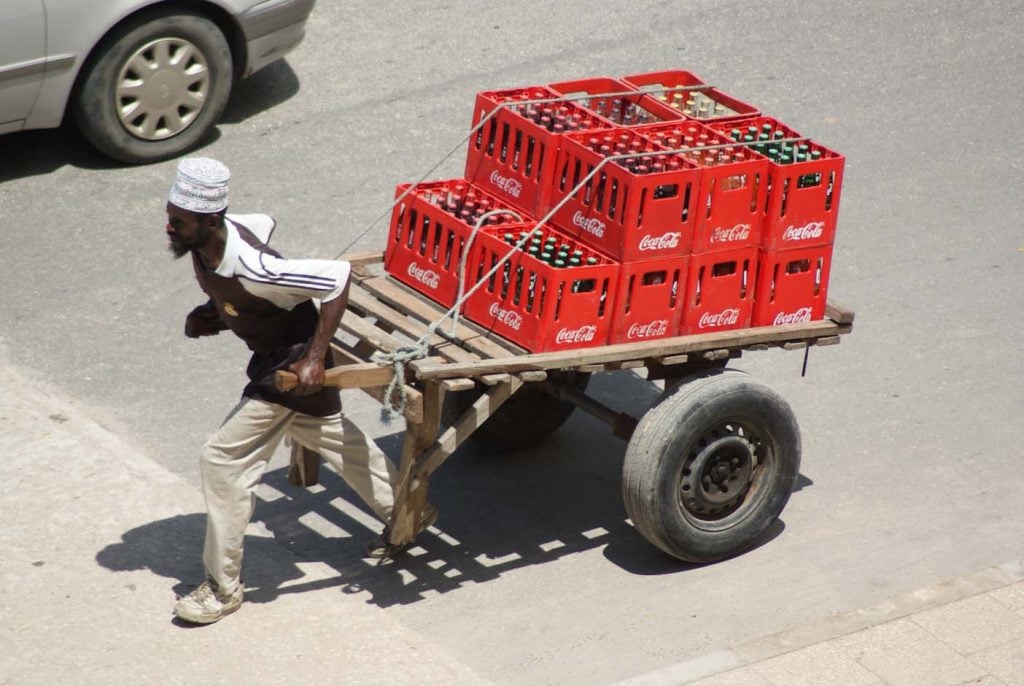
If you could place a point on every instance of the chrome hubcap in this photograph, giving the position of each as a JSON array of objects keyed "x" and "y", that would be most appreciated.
[{"x": 162, "y": 88}]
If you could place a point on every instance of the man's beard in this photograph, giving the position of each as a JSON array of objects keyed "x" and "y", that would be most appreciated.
[{"x": 179, "y": 248}]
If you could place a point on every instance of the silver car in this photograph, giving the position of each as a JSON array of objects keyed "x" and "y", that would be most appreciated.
[{"x": 144, "y": 80}]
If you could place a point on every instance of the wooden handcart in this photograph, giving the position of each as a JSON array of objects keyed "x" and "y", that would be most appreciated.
[{"x": 707, "y": 469}]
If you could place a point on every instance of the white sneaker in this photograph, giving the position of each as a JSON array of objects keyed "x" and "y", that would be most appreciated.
[{"x": 206, "y": 606}]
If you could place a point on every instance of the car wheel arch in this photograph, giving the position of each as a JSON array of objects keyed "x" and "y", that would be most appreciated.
[{"x": 211, "y": 11}]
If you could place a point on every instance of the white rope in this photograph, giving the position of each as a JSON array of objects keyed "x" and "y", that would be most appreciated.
[{"x": 493, "y": 113}]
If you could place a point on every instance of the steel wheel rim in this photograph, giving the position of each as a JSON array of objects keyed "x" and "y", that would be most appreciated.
[
  {"x": 162, "y": 88},
  {"x": 730, "y": 454}
]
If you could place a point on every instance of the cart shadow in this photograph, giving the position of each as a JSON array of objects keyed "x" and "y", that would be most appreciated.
[{"x": 498, "y": 513}]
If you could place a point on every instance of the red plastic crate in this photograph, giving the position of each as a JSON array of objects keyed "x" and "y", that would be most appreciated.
[
  {"x": 792, "y": 286},
  {"x": 629, "y": 215},
  {"x": 802, "y": 205},
  {"x": 649, "y": 303},
  {"x": 734, "y": 185},
  {"x": 720, "y": 291},
  {"x": 538, "y": 306},
  {"x": 620, "y": 110},
  {"x": 426, "y": 241},
  {"x": 513, "y": 155},
  {"x": 676, "y": 78}
]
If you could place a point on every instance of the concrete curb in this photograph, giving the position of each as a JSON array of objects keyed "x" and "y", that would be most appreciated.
[{"x": 832, "y": 627}]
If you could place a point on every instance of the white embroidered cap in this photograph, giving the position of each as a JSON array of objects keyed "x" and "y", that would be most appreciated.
[{"x": 201, "y": 185}]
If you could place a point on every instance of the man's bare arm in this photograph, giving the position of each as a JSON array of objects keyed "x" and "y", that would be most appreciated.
[{"x": 310, "y": 369}]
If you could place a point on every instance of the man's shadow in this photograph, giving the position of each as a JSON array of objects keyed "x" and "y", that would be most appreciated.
[{"x": 498, "y": 514}]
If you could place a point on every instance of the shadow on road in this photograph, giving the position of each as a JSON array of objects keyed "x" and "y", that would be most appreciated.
[
  {"x": 498, "y": 514},
  {"x": 34, "y": 153}
]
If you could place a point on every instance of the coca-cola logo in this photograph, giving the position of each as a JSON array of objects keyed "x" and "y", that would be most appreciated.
[
  {"x": 509, "y": 184},
  {"x": 591, "y": 225},
  {"x": 653, "y": 329},
  {"x": 740, "y": 232},
  {"x": 802, "y": 233},
  {"x": 799, "y": 317},
  {"x": 727, "y": 317},
  {"x": 584, "y": 334},
  {"x": 509, "y": 318},
  {"x": 428, "y": 277},
  {"x": 665, "y": 241}
]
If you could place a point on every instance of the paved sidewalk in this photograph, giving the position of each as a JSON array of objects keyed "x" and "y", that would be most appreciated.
[
  {"x": 95, "y": 545},
  {"x": 964, "y": 631}
]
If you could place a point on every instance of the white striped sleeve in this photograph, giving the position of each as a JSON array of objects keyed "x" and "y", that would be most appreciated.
[{"x": 286, "y": 282}]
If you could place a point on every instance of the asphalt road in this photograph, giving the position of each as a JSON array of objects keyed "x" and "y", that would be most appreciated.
[{"x": 911, "y": 463}]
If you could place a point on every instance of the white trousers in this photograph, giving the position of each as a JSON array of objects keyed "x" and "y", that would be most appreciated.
[{"x": 234, "y": 459}]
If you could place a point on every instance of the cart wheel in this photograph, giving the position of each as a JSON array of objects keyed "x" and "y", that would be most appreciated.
[
  {"x": 710, "y": 468},
  {"x": 525, "y": 420}
]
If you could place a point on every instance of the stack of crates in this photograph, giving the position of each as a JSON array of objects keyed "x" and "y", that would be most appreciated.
[{"x": 699, "y": 222}]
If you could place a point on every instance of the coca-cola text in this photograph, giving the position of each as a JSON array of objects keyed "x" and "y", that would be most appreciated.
[
  {"x": 727, "y": 317},
  {"x": 665, "y": 241},
  {"x": 740, "y": 232},
  {"x": 509, "y": 184},
  {"x": 591, "y": 225},
  {"x": 806, "y": 232},
  {"x": 655, "y": 329},
  {"x": 799, "y": 317},
  {"x": 428, "y": 277},
  {"x": 584, "y": 334},
  {"x": 509, "y": 318}
]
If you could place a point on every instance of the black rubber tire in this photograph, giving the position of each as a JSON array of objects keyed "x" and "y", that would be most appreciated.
[
  {"x": 93, "y": 106},
  {"x": 715, "y": 420},
  {"x": 524, "y": 421}
]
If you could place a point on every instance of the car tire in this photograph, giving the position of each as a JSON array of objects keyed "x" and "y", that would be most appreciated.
[{"x": 155, "y": 87}]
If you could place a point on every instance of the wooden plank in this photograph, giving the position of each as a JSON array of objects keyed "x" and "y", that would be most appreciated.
[
  {"x": 532, "y": 376},
  {"x": 411, "y": 488},
  {"x": 591, "y": 368},
  {"x": 838, "y": 313},
  {"x": 446, "y": 444},
  {"x": 718, "y": 354},
  {"x": 364, "y": 330},
  {"x": 356, "y": 375},
  {"x": 794, "y": 345},
  {"x": 363, "y": 258},
  {"x": 827, "y": 340},
  {"x": 669, "y": 360},
  {"x": 494, "y": 379},
  {"x": 366, "y": 304},
  {"x": 455, "y": 385},
  {"x": 410, "y": 303},
  {"x": 625, "y": 364},
  {"x": 633, "y": 351}
]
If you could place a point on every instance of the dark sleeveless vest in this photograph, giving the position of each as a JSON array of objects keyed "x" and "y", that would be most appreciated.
[{"x": 276, "y": 337}]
